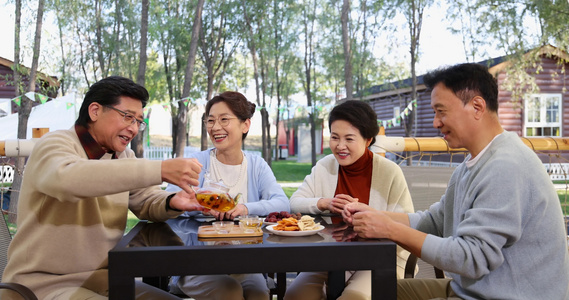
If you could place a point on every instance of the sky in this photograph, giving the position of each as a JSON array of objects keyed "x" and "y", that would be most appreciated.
[{"x": 438, "y": 46}]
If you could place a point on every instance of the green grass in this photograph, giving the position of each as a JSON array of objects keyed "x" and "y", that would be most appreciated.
[
  {"x": 290, "y": 171},
  {"x": 289, "y": 191},
  {"x": 564, "y": 200}
]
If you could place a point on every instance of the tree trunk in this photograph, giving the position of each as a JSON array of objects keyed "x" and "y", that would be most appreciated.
[
  {"x": 118, "y": 20},
  {"x": 99, "y": 42},
  {"x": 18, "y": 15},
  {"x": 414, "y": 19},
  {"x": 209, "y": 93},
  {"x": 266, "y": 126},
  {"x": 25, "y": 104},
  {"x": 63, "y": 80},
  {"x": 137, "y": 143},
  {"x": 308, "y": 60},
  {"x": 253, "y": 49},
  {"x": 189, "y": 73},
  {"x": 347, "y": 50}
]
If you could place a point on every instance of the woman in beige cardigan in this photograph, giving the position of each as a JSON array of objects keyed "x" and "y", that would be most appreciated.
[{"x": 351, "y": 173}]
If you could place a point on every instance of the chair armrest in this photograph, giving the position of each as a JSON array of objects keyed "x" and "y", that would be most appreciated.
[
  {"x": 412, "y": 263},
  {"x": 410, "y": 266},
  {"x": 24, "y": 291},
  {"x": 439, "y": 273}
]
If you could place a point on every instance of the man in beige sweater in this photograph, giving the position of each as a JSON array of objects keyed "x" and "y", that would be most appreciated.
[{"x": 77, "y": 188}]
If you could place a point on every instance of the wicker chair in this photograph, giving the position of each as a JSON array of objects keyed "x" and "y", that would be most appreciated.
[{"x": 5, "y": 239}]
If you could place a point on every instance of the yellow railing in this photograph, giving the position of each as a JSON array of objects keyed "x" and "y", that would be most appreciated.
[{"x": 438, "y": 144}]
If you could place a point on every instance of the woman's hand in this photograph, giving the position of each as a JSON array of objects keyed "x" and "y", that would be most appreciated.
[
  {"x": 335, "y": 205},
  {"x": 239, "y": 210}
]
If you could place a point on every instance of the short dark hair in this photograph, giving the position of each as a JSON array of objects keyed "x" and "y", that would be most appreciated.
[
  {"x": 466, "y": 81},
  {"x": 238, "y": 104},
  {"x": 107, "y": 91},
  {"x": 359, "y": 114}
]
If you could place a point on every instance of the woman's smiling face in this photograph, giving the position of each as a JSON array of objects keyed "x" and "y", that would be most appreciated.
[
  {"x": 346, "y": 142},
  {"x": 230, "y": 135}
]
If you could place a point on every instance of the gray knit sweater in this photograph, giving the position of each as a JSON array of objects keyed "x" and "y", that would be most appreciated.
[{"x": 498, "y": 231}]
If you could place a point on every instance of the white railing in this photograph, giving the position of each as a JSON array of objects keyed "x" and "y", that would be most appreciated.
[
  {"x": 162, "y": 153},
  {"x": 557, "y": 171},
  {"x": 6, "y": 173}
]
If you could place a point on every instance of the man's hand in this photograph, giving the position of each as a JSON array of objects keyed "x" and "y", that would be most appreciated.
[
  {"x": 372, "y": 224},
  {"x": 182, "y": 172},
  {"x": 187, "y": 202},
  {"x": 351, "y": 208}
]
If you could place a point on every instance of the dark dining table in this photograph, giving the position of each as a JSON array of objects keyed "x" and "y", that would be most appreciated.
[{"x": 155, "y": 251}]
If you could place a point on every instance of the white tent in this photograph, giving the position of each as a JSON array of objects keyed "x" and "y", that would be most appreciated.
[{"x": 59, "y": 113}]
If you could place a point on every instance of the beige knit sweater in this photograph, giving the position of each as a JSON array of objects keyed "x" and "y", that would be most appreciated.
[
  {"x": 388, "y": 192},
  {"x": 73, "y": 210}
]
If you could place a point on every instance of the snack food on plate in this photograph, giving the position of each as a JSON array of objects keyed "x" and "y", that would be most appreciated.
[
  {"x": 291, "y": 224},
  {"x": 277, "y": 216},
  {"x": 307, "y": 223}
]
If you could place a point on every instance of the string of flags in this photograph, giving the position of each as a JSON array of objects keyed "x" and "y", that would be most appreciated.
[
  {"x": 184, "y": 101},
  {"x": 37, "y": 97},
  {"x": 298, "y": 108},
  {"x": 32, "y": 96},
  {"x": 396, "y": 121}
]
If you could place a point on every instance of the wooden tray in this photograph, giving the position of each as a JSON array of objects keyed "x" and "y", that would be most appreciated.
[{"x": 207, "y": 231}]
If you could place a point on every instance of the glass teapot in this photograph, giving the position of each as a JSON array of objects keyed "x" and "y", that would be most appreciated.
[{"x": 214, "y": 195}]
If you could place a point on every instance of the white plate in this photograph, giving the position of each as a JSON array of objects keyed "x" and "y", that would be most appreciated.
[
  {"x": 294, "y": 233},
  {"x": 269, "y": 223}
]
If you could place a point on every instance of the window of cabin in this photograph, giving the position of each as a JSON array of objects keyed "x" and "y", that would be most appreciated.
[{"x": 543, "y": 115}]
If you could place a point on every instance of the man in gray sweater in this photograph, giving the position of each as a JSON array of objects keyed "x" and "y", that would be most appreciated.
[{"x": 498, "y": 230}]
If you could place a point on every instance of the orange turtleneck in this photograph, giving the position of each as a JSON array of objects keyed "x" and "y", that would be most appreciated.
[{"x": 355, "y": 179}]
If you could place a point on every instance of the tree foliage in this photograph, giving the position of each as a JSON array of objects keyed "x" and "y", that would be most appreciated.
[{"x": 291, "y": 53}]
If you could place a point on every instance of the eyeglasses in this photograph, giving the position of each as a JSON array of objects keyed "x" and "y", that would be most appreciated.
[
  {"x": 129, "y": 118},
  {"x": 223, "y": 121}
]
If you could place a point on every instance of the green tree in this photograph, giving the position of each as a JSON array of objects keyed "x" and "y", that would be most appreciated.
[
  {"x": 181, "y": 130},
  {"x": 309, "y": 28},
  {"x": 218, "y": 43},
  {"x": 171, "y": 18},
  {"x": 254, "y": 13},
  {"x": 345, "y": 20},
  {"x": 137, "y": 142},
  {"x": 284, "y": 20},
  {"x": 505, "y": 25}
]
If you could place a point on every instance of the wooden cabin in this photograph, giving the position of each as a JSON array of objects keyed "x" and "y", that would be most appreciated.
[
  {"x": 545, "y": 113},
  {"x": 46, "y": 85}
]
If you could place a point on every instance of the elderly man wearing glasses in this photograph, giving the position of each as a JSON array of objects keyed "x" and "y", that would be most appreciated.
[{"x": 77, "y": 189}]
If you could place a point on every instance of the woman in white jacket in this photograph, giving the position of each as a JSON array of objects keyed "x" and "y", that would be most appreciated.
[{"x": 351, "y": 173}]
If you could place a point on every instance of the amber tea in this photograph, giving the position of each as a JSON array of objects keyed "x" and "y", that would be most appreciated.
[
  {"x": 216, "y": 201},
  {"x": 250, "y": 224}
]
